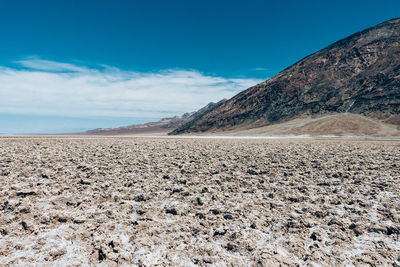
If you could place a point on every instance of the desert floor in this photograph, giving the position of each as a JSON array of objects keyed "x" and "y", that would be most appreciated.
[{"x": 142, "y": 201}]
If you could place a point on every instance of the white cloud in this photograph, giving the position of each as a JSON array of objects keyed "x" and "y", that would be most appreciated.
[
  {"x": 51, "y": 66},
  {"x": 55, "y": 88}
]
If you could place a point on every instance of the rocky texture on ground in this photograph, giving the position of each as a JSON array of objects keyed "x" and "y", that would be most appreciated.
[
  {"x": 188, "y": 202},
  {"x": 359, "y": 74},
  {"x": 161, "y": 127}
]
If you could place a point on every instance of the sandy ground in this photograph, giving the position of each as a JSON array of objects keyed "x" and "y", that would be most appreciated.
[
  {"x": 122, "y": 201},
  {"x": 343, "y": 124}
]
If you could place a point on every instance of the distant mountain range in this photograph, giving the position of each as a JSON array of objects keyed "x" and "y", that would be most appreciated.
[
  {"x": 161, "y": 127},
  {"x": 359, "y": 74}
]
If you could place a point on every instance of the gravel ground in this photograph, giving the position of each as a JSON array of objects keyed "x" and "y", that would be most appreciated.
[{"x": 116, "y": 201}]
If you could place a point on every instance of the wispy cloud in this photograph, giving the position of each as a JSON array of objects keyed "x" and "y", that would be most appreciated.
[
  {"x": 50, "y": 66},
  {"x": 46, "y": 87}
]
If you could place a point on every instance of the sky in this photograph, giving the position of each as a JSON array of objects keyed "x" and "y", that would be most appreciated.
[{"x": 68, "y": 66}]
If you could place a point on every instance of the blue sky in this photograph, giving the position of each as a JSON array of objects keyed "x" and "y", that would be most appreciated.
[{"x": 67, "y": 65}]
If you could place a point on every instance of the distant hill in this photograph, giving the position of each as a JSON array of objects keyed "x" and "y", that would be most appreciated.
[
  {"x": 161, "y": 127},
  {"x": 359, "y": 74}
]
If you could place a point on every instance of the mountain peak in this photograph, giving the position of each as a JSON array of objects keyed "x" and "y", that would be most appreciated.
[{"x": 358, "y": 74}]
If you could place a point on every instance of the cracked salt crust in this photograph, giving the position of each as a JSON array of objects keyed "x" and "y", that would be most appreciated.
[{"x": 277, "y": 193}]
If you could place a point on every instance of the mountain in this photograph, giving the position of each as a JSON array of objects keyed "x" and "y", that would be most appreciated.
[
  {"x": 359, "y": 74},
  {"x": 161, "y": 127}
]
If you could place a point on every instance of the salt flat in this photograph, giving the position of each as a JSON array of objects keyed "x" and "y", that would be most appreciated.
[{"x": 165, "y": 201}]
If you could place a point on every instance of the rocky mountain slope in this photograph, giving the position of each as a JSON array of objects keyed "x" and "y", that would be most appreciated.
[
  {"x": 160, "y": 127},
  {"x": 359, "y": 74}
]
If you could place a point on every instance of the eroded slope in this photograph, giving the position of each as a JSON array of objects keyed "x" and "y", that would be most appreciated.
[{"x": 359, "y": 74}]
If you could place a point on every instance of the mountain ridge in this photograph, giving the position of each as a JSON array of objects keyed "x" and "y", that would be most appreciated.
[
  {"x": 161, "y": 127},
  {"x": 359, "y": 74}
]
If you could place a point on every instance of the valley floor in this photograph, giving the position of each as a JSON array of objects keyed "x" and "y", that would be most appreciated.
[{"x": 116, "y": 201}]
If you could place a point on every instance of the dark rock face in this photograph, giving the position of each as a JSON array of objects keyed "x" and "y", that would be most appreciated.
[{"x": 359, "y": 74}]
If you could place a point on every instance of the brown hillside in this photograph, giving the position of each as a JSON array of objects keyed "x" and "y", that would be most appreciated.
[{"x": 359, "y": 74}]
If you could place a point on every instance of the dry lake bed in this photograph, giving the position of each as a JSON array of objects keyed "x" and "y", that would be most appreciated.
[{"x": 188, "y": 202}]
